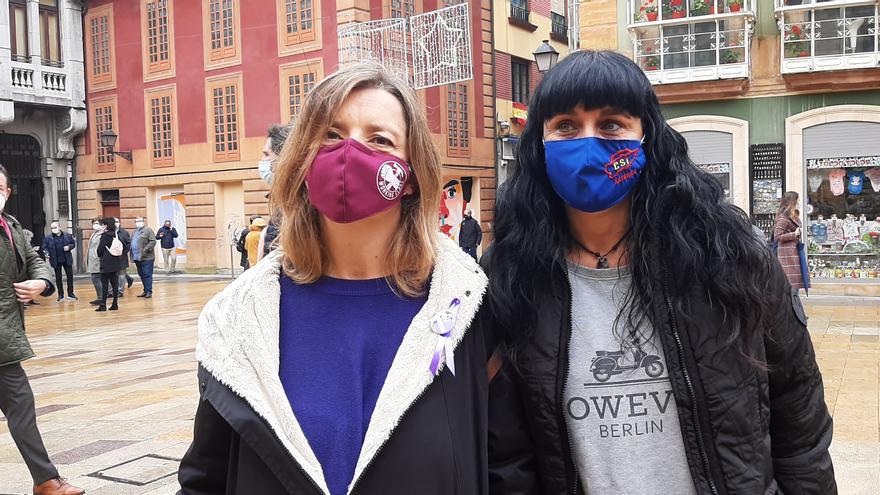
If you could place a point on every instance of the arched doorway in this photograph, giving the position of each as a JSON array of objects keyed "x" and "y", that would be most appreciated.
[{"x": 20, "y": 155}]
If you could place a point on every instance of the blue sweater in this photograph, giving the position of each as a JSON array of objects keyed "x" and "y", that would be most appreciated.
[{"x": 337, "y": 341}]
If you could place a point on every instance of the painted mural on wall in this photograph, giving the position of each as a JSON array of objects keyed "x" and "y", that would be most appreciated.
[
  {"x": 457, "y": 195},
  {"x": 173, "y": 207}
]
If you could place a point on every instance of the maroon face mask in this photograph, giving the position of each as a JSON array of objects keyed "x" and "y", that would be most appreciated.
[{"x": 349, "y": 181}]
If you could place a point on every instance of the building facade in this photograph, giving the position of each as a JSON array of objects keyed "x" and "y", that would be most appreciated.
[
  {"x": 520, "y": 27},
  {"x": 191, "y": 87},
  {"x": 42, "y": 108},
  {"x": 772, "y": 96}
]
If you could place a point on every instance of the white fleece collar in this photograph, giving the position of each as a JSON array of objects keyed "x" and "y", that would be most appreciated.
[{"x": 238, "y": 345}]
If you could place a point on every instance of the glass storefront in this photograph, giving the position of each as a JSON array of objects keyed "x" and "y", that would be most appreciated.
[{"x": 844, "y": 217}]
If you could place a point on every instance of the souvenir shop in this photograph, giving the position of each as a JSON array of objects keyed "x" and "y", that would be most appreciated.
[{"x": 843, "y": 210}]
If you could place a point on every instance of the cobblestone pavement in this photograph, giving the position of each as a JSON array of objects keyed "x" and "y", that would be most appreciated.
[{"x": 116, "y": 392}]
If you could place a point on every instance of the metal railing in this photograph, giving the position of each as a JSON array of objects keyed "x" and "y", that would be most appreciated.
[
  {"x": 559, "y": 29},
  {"x": 649, "y": 11},
  {"x": 519, "y": 13}
]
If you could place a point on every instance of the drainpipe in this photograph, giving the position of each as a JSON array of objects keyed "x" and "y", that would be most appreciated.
[{"x": 74, "y": 216}]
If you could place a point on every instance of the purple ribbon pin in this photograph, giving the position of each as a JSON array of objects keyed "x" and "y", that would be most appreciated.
[{"x": 442, "y": 324}]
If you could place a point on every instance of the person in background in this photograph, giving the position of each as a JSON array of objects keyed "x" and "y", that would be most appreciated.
[
  {"x": 277, "y": 136},
  {"x": 252, "y": 241},
  {"x": 23, "y": 276},
  {"x": 166, "y": 235},
  {"x": 111, "y": 264},
  {"x": 58, "y": 246},
  {"x": 125, "y": 279},
  {"x": 786, "y": 236},
  {"x": 241, "y": 246},
  {"x": 94, "y": 261},
  {"x": 143, "y": 253},
  {"x": 470, "y": 234}
]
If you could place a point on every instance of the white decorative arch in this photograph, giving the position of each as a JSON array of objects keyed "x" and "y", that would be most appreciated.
[
  {"x": 740, "y": 189},
  {"x": 795, "y": 171}
]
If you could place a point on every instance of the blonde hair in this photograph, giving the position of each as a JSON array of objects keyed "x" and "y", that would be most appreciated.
[{"x": 412, "y": 249}]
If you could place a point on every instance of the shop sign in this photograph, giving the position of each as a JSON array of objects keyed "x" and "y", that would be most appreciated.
[
  {"x": 714, "y": 168},
  {"x": 844, "y": 162}
]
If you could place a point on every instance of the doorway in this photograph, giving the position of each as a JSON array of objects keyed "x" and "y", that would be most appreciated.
[{"x": 20, "y": 154}]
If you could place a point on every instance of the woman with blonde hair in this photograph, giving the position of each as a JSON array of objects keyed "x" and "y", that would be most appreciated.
[{"x": 345, "y": 362}]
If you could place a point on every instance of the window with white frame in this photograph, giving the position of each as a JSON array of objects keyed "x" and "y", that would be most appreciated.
[
  {"x": 828, "y": 35},
  {"x": 692, "y": 40}
]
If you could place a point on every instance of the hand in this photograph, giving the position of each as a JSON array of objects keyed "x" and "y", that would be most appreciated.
[
  {"x": 798, "y": 231},
  {"x": 29, "y": 290},
  {"x": 67, "y": 248}
]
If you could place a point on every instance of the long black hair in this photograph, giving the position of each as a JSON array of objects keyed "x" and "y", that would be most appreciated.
[{"x": 682, "y": 229}]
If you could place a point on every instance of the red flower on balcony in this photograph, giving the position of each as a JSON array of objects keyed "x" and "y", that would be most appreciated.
[{"x": 676, "y": 3}]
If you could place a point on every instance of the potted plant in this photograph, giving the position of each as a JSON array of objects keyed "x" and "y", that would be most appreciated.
[
  {"x": 701, "y": 7},
  {"x": 677, "y": 9},
  {"x": 651, "y": 13},
  {"x": 648, "y": 11},
  {"x": 729, "y": 57},
  {"x": 652, "y": 63},
  {"x": 735, "y": 5}
]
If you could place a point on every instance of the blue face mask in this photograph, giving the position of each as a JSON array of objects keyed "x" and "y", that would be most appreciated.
[
  {"x": 593, "y": 174},
  {"x": 265, "y": 168}
]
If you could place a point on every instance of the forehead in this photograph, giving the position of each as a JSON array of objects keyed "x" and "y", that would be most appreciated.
[
  {"x": 361, "y": 104},
  {"x": 581, "y": 111}
]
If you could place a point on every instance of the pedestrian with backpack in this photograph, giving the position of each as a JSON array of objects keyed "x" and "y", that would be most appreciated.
[{"x": 110, "y": 251}]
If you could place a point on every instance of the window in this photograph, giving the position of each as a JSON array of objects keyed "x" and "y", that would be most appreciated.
[
  {"x": 99, "y": 49},
  {"x": 50, "y": 37},
  {"x": 222, "y": 28},
  {"x": 520, "y": 73},
  {"x": 457, "y": 132},
  {"x": 104, "y": 119},
  {"x": 157, "y": 27},
  {"x": 18, "y": 26},
  {"x": 297, "y": 21},
  {"x": 224, "y": 99},
  {"x": 296, "y": 83},
  {"x": 519, "y": 11},
  {"x": 846, "y": 34},
  {"x": 160, "y": 111},
  {"x": 558, "y": 29},
  {"x": 402, "y": 9}
]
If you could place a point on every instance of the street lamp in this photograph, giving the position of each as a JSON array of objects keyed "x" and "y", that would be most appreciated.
[
  {"x": 108, "y": 140},
  {"x": 545, "y": 57}
]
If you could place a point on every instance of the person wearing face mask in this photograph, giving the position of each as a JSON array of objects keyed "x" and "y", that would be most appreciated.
[
  {"x": 94, "y": 261},
  {"x": 58, "y": 246},
  {"x": 125, "y": 280},
  {"x": 143, "y": 253},
  {"x": 166, "y": 235},
  {"x": 274, "y": 143},
  {"x": 648, "y": 341},
  {"x": 470, "y": 234},
  {"x": 23, "y": 277},
  {"x": 346, "y": 360}
]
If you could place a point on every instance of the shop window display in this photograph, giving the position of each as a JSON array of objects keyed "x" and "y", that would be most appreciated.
[{"x": 844, "y": 217}]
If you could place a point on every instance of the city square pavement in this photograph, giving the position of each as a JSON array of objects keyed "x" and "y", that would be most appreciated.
[{"x": 116, "y": 392}]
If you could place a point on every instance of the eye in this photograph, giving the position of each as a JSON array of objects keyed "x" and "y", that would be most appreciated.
[
  {"x": 611, "y": 126},
  {"x": 565, "y": 127},
  {"x": 382, "y": 141},
  {"x": 333, "y": 136}
]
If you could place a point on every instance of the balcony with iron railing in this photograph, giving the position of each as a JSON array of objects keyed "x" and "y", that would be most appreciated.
[
  {"x": 558, "y": 28},
  {"x": 678, "y": 41},
  {"x": 520, "y": 15},
  {"x": 828, "y": 35}
]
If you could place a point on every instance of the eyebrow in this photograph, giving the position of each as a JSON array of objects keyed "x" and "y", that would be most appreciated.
[{"x": 398, "y": 132}]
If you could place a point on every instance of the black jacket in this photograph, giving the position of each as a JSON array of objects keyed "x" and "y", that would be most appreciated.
[
  {"x": 729, "y": 408},
  {"x": 239, "y": 246},
  {"x": 125, "y": 237},
  {"x": 427, "y": 434},
  {"x": 53, "y": 247},
  {"x": 110, "y": 263},
  {"x": 470, "y": 234},
  {"x": 166, "y": 237}
]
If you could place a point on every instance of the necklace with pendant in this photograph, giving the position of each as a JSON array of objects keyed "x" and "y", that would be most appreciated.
[{"x": 603, "y": 258}]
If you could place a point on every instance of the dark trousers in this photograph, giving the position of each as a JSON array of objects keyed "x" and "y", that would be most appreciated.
[
  {"x": 145, "y": 272},
  {"x": 109, "y": 280},
  {"x": 472, "y": 251},
  {"x": 96, "y": 281},
  {"x": 59, "y": 281},
  {"x": 17, "y": 404}
]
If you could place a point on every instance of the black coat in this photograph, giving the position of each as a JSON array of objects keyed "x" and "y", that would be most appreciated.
[
  {"x": 166, "y": 237},
  {"x": 125, "y": 237},
  {"x": 110, "y": 263},
  {"x": 729, "y": 408},
  {"x": 436, "y": 444},
  {"x": 470, "y": 233},
  {"x": 53, "y": 247}
]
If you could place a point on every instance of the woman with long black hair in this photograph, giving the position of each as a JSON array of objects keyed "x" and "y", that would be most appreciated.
[{"x": 649, "y": 342}]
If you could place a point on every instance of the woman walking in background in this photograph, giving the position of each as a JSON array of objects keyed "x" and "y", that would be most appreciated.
[
  {"x": 787, "y": 242},
  {"x": 111, "y": 263}
]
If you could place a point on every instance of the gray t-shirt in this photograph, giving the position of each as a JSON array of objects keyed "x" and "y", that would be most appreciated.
[{"x": 620, "y": 408}]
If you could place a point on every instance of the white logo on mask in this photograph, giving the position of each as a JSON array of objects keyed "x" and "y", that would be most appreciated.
[{"x": 390, "y": 180}]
